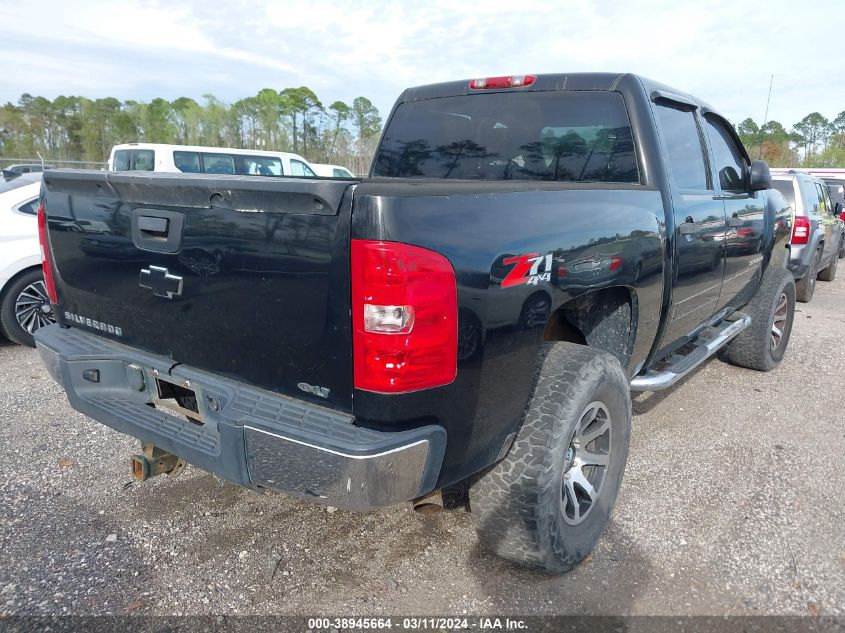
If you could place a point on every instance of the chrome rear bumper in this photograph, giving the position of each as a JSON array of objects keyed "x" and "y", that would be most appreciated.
[{"x": 250, "y": 436}]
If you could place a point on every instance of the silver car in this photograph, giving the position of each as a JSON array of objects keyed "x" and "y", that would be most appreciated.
[{"x": 818, "y": 236}]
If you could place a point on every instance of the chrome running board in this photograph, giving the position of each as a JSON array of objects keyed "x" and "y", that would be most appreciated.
[{"x": 705, "y": 347}]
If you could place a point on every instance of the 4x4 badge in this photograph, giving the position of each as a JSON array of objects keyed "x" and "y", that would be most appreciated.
[
  {"x": 161, "y": 282},
  {"x": 527, "y": 269}
]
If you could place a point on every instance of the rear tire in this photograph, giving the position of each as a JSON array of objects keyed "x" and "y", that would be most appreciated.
[
  {"x": 829, "y": 273},
  {"x": 762, "y": 344},
  {"x": 806, "y": 286},
  {"x": 841, "y": 253},
  {"x": 547, "y": 502},
  {"x": 25, "y": 307}
]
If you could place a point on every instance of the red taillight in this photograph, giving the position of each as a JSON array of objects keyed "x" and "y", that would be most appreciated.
[
  {"x": 404, "y": 317},
  {"x": 511, "y": 81},
  {"x": 46, "y": 261},
  {"x": 615, "y": 263},
  {"x": 801, "y": 230},
  {"x": 842, "y": 216}
]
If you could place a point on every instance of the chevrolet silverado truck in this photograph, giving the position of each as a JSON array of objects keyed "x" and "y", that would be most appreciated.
[{"x": 524, "y": 253}]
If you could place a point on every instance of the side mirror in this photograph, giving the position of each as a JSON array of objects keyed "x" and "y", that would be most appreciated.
[
  {"x": 760, "y": 177},
  {"x": 837, "y": 208}
]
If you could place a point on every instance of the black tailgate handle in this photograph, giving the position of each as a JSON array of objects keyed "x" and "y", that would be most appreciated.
[
  {"x": 157, "y": 230},
  {"x": 151, "y": 227}
]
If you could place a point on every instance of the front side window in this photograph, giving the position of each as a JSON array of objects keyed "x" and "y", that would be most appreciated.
[
  {"x": 727, "y": 157},
  {"x": 298, "y": 168},
  {"x": 560, "y": 136},
  {"x": 187, "y": 162},
  {"x": 218, "y": 164},
  {"x": 683, "y": 146}
]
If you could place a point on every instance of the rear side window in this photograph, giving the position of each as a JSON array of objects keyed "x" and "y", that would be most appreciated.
[
  {"x": 341, "y": 173},
  {"x": 134, "y": 159},
  {"x": 810, "y": 195},
  {"x": 218, "y": 164},
  {"x": 260, "y": 166},
  {"x": 188, "y": 162},
  {"x": 824, "y": 200},
  {"x": 683, "y": 146},
  {"x": 30, "y": 207},
  {"x": 548, "y": 136},
  {"x": 787, "y": 189}
]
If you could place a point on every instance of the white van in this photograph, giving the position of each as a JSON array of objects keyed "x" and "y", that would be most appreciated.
[{"x": 193, "y": 159}]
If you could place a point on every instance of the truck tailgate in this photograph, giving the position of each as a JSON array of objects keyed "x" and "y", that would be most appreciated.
[{"x": 246, "y": 277}]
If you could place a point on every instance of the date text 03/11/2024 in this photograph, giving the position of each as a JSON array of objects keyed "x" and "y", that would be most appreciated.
[{"x": 418, "y": 624}]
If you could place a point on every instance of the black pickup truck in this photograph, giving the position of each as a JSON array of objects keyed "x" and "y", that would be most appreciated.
[{"x": 525, "y": 252}]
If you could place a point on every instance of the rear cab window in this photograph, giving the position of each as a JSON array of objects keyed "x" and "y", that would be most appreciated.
[
  {"x": 547, "y": 136},
  {"x": 134, "y": 160}
]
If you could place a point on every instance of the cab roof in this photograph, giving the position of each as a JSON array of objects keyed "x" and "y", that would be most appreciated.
[{"x": 562, "y": 82}]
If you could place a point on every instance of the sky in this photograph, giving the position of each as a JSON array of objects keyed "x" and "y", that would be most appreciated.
[{"x": 723, "y": 52}]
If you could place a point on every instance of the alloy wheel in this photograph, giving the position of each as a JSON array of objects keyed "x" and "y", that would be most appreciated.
[
  {"x": 587, "y": 461},
  {"x": 32, "y": 307},
  {"x": 779, "y": 321}
]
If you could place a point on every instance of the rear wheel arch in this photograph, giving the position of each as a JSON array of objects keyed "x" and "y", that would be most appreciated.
[
  {"x": 604, "y": 319},
  {"x": 10, "y": 325},
  {"x": 11, "y": 281}
]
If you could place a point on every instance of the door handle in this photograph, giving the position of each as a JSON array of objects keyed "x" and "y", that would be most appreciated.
[{"x": 688, "y": 227}]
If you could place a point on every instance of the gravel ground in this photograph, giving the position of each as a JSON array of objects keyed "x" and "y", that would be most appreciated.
[{"x": 732, "y": 503}]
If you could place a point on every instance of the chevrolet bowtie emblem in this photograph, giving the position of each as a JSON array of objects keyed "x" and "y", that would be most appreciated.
[{"x": 161, "y": 282}]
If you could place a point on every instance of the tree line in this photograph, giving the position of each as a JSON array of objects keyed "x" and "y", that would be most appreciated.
[
  {"x": 814, "y": 141},
  {"x": 292, "y": 120}
]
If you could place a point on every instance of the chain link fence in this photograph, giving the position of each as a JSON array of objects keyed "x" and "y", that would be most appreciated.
[{"x": 6, "y": 161}]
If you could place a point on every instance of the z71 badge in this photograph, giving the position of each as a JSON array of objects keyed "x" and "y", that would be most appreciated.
[{"x": 527, "y": 270}]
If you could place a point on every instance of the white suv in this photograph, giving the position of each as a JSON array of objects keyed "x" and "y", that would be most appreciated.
[{"x": 24, "y": 305}]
